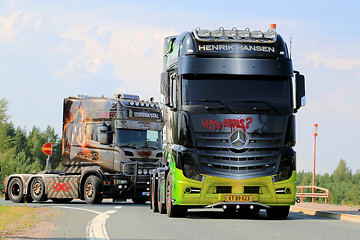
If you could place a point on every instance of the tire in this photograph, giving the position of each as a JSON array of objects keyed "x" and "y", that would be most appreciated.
[
  {"x": 173, "y": 210},
  {"x": 61, "y": 200},
  {"x": 140, "y": 200},
  {"x": 154, "y": 196},
  {"x": 37, "y": 190},
  {"x": 160, "y": 204},
  {"x": 280, "y": 212},
  {"x": 16, "y": 191},
  {"x": 92, "y": 190}
]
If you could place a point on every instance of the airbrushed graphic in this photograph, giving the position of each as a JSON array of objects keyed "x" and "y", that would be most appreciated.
[
  {"x": 212, "y": 124},
  {"x": 77, "y": 148},
  {"x": 61, "y": 187}
]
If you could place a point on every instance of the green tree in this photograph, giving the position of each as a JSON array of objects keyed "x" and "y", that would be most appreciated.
[{"x": 342, "y": 172}]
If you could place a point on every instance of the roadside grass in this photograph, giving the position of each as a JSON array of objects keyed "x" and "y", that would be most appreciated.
[{"x": 17, "y": 218}]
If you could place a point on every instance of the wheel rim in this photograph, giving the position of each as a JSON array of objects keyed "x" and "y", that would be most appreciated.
[
  {"x": 15, "y": 190},
  {"x": 37, "y": 188},
  {"x": 89, "y": 190}
]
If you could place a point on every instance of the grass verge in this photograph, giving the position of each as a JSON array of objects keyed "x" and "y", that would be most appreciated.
[{"x": 14, "y": 219}]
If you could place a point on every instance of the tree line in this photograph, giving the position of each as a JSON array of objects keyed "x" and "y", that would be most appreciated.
[
  {"x": 20, "y": 150},
  {"x": 344, "y": 186}
]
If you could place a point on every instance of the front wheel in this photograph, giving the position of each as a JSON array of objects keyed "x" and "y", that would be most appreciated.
[
  {"x": 92, "y": 190},
  {"x": 15, "y": 190},
  {"x": 154, "y": 196},
  {"x": 37, "y": 190},
  {"x": 173, "y": 210},
  {"x": 278, "y": 212}
]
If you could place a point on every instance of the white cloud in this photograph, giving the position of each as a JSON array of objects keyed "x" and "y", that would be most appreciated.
[
  {"x": 93, "y": 65},
  {"x": 12, "y": 25},
  {"x": 134, "y": 51},
  {"x": 332, "y": 60}
]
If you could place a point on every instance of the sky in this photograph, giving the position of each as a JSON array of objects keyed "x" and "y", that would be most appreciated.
[{"x": 52, "y": 49}]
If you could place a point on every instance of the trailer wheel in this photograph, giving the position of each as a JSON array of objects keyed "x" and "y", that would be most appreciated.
[
  {"x": 37, "y": 190},
  {"x": 173, "y": 210},
  {"x": 92, "y": 190},
  {"x": 278, "y": 212},
  {"x": 16, "y": 191},
  {"x": 154, "y": 196}
]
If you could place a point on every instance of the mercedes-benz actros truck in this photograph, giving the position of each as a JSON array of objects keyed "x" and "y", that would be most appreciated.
[{"x": 229, "y": 102}]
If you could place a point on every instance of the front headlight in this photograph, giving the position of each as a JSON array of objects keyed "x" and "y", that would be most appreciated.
[{"x": 287, "y": 164}]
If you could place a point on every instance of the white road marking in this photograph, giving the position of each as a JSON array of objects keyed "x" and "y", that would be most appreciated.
[
  {"x": 118, "y": 207},
  {"x": 95, "y": 229},
  {"x": 110, "y": 212}
]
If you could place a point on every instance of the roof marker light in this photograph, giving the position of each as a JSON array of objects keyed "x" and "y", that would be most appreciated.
[
  {"x": 218, "y": 33},
  {"x": 256, "y": 34},
  {"x": 230, "y": 33},
  {"x": 270, "y": 34},
  {"x": 273, "y": 27},
  {"x": 203, "y": 33},
  {"x": 244, "y": 33}
]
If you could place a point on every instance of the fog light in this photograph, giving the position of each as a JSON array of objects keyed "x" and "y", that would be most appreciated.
[{"x": 140, "y": 171}]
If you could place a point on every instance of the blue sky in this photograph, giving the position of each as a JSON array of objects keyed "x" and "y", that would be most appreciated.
[{"x": 54, "y": 49}]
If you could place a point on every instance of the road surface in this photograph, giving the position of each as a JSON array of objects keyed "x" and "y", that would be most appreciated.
[{"x": 125, "y": 220}]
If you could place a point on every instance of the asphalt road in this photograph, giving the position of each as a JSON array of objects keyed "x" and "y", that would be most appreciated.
[{"x": 125, "y": 220}]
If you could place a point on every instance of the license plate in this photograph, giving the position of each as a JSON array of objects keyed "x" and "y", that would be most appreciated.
[{"x": 238, "y": 198}]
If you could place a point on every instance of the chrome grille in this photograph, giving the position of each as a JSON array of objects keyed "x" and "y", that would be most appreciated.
[
  {"x": 217, "y": 157},
  {"x": 130, "y": 169}
]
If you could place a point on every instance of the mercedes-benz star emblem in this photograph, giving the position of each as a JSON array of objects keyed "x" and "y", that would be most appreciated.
[{"x": 238, "y": 139}]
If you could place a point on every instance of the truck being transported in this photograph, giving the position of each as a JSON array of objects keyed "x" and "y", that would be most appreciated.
[
  {"x": 229, "y": 125},
  {"x": 109, "y": 147}
]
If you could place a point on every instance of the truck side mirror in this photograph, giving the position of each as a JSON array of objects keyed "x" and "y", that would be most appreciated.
[
  {"x": 103, "y": 135},
  {"x": 300, "y": 91},
  {"x": 165, "y": 88}
]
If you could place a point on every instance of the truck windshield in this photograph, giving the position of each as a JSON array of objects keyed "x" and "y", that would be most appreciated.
[
  {"x": 237, "y": 90},
  {"x": 138, "y": 138}
]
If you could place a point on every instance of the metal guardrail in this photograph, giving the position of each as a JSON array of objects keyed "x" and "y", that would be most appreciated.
[{"x": 313, "y": 194}]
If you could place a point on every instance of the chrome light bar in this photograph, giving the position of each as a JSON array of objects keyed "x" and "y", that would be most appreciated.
[{"x": 235, "y": 35}]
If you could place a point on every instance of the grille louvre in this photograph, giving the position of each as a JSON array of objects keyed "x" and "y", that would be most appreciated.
[{"x": 217, "y": 157}]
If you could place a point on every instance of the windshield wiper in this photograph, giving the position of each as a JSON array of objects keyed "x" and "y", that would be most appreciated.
[
  {"x": 268, "y": 106},
  {"x": 223, "y": 105},
  {"x": 129, "y": 146}
]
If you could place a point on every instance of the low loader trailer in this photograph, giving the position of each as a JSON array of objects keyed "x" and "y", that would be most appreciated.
[{"x": 109, "y": 148}]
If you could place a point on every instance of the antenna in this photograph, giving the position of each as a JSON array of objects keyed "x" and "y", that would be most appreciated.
[{"x": 290, "y": 45}]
